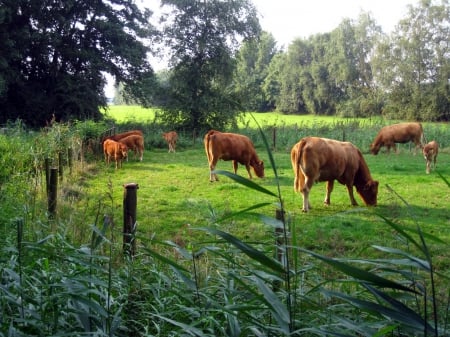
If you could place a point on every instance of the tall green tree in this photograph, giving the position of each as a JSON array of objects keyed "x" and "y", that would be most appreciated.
[
  {"x": 202, "y": 37},
  {"x": 328, "y": 73},
  {"x": 413, "y": 64},
  {"x": 54, "y": 55},
  {"x": 349, "y": 57},
  {"x": 253, "y": 60}
]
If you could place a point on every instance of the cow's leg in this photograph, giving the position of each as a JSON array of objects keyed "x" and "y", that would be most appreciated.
[
  {"x": 235, "y": 166},
  {"x": 395, "y": 148},
  {"x": 212, "y": 166},
  {"x": 388, "y": 148},
  {"x": 329, "y": 189},
  {"x": 249, "y": 171},
  {"x": 428, "y": 169},
  {"x": 350, "y": 194},
  {"x": 305, "y": 188}
]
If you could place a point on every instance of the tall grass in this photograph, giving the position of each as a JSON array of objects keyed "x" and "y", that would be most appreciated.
[{"x": 72, "y": 278}]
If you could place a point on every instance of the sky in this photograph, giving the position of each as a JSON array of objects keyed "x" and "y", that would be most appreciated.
[{"x": 289, "y": 19}]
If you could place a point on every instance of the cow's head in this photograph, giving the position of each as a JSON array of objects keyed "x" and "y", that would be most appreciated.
[
  {"x": 375, "y": 148},
  {"x": 369, "y": 193},
  {"x": 258, "y": 167},
  {"x": 123, "y": 150}
]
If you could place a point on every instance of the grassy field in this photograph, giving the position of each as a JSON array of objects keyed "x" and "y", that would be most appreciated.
[
  {"x": 124, "y": 114},
  {"x": 175, "y": 197},
  {"x": 175, "y": 200}
]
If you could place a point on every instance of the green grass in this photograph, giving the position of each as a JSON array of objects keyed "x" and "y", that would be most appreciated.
[
  {"x": 174, "y": 190},
  {"x": 175, "y": 198},
  {"x": 127, "y": 113}
]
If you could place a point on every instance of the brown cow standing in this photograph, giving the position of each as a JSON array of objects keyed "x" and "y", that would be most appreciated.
[
  {"x": 430, "y": 152},
  {"x": 320, "y": 159},
  {"x": 135, "y": 143},
  {"x": 119, "y": 136},
  {"x": 398, "y": 133},
  {"x": 171, "y": 138},
  {"x": 116, "y": 150},
  {"x": 231, "y": 146}
]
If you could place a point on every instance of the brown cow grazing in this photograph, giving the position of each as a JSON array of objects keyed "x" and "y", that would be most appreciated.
[
  {"x": 119, "y": 136},
  {"x": 320, "y": 159},
  {"x": 231, "y": 146},
  {"x": 135, "y": 143},
  {"x": 171, "y": 138},
  {"x": 430, "y": 152},
  {"x": 397, "y": 133},
  {"x": 116, "y": 150}
]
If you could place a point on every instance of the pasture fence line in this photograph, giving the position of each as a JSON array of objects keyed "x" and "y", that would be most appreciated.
[
  {"x": 53, "y": 174},
  {"x": 129, "y": 219},
  {"x": 53, "y": 192}
]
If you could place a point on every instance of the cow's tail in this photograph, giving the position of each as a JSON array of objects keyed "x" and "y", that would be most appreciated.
[
  {"x": 296, "y": 157},
  {"x": 208, "y": 138}
]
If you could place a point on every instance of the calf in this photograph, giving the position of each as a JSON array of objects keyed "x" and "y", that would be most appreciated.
[
  {"x": 116, "y": 150},
  {"x": 430, "y": 152},
  {"x": 317, "y": 159},
  {"x": 171, "y": 138},
  {"x": 231, "y": 146}
]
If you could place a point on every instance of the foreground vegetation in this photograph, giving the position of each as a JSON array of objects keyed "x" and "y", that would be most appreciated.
[{"x": 206, "y": 268}]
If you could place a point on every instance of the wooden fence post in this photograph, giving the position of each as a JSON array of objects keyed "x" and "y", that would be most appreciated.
[
  {"x": 60, "y": 165},
  {"x": 47, "y": 175},
  {"x": 129, "y": 218},
  {"x": 280, "y": 246},
  {"x": 274, "y": 138},
  {"x": 69, "y": 159},
  {"x": 279, "y": 238},
  {"x": 53, "y": 190}
]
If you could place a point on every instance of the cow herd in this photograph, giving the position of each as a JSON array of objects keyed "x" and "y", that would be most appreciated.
[
  {"x": 117, "y": 146},
  {"x": 316, "y": 159},
  {"x": 313, "y": 159}
]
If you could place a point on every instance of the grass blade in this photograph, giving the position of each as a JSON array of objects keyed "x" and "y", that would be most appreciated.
[
  {"x": 357, "y": 273},
  {"x": 248, "y": 250},
  {"x": 246, "y": 182}
]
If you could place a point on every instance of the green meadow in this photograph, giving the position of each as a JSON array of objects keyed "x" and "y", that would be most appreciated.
[
  {"x": 175, "y": 192},
  {"x": 208, "y": 248}
]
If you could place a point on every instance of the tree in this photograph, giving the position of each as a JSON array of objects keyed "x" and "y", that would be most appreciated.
[
  {"x": 413, "y": 64},
  {"x": 54, "y": 55},
  {"x": 349, "y": 58},
  {"x": 328, "y": 72},
  {"x": 253, "y": 60},
  {"x": 202, "y": 36}
]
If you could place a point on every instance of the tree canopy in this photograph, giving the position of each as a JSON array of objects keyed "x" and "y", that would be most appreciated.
[
  {"x": 54, "y": 55},
  {"x": 202, "y": 37}
]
